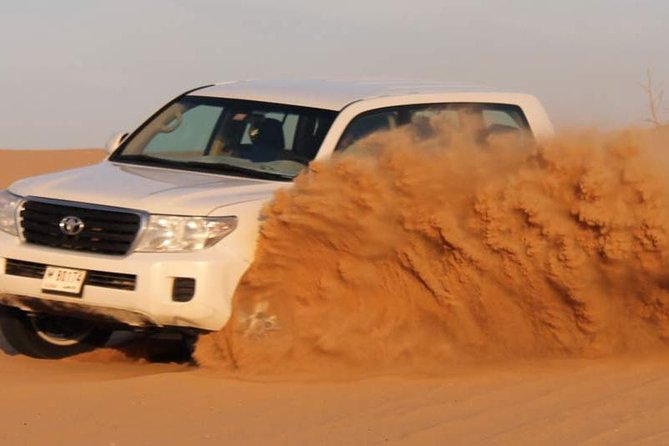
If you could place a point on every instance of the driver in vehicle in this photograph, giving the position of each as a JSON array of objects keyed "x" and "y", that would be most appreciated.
[{"x": 267, "y": 142}]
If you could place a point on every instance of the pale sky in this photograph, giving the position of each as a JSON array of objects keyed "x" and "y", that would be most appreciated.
[{"x": 72, "y": 72}]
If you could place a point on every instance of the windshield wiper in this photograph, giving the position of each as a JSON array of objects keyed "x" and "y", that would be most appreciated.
[
  {"x": 219, "y": 167},
  {"x": 233, "y": 168},
  {"x": 142, "y": 158}
]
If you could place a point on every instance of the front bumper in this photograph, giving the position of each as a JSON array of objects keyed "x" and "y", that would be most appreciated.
[{"x": 216, "y": 272}]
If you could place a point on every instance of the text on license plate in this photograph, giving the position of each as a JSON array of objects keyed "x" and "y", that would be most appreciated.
[{"x": 63, "y": 280}]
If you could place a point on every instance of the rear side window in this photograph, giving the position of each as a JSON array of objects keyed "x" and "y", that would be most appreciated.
[{"x": 480, "y": 119}]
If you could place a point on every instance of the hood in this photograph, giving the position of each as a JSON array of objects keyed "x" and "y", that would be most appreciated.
[{"x": 153, "y": 189}]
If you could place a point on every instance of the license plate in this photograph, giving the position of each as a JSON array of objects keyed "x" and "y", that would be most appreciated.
[{"x": 63, "y": 280}]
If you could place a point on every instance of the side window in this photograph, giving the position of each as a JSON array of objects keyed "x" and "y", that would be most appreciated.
[
  {"x": 505, "y": 119},
  {"x": 499, "y": 117},
  {"x": 477, "y": 119},
  {"x": 367, "y": 124},
  {"x": 425, "y": 121},
  {"x": 187, "y": 131},
  {"x": 480, "y": 120}
]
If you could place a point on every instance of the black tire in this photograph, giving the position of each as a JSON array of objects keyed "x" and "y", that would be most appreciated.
[
  {"x": 168, "y": 350},
  {"x": 50, "y": 337}
]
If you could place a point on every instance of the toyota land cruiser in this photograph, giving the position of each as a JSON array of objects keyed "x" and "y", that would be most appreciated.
[{"x": 157, "y": 236}]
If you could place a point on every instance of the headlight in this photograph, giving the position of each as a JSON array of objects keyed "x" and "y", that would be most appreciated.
[
  {"x": 9, "y": 203},
  {"x": 167, "y": 233}
]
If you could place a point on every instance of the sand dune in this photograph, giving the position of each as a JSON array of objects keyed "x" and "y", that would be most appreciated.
[
  {"x": 567, "y": 401},
  {"x": 16, "y": 164}
]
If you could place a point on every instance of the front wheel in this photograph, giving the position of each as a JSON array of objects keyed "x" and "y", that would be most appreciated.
[{"x": 50, "y": 337}]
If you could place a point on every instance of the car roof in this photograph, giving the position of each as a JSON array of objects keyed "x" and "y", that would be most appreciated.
[{"x": 330, "y": 94}]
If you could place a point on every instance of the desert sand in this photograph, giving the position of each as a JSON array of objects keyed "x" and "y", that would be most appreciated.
[
  {"x": 602, "y": 400},
  {"x": 17, "y": 164},
  {"x": 588, "y": 402}
]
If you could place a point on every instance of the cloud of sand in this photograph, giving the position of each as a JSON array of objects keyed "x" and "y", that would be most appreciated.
[{"x": 414, "y": 254}]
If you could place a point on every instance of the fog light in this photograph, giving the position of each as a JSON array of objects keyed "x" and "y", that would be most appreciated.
[{"x": 183, "y": 289}]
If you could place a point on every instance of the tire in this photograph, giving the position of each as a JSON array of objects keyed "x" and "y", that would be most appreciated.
[
  {"x": 168, "y": 350},
  {"x": 50, "y": 337}
]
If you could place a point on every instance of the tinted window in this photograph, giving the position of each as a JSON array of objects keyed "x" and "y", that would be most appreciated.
[
  {"x": 231, "y": 136},
  {"x": 480, "y": 120},
  {"x": 189, "y": 131}
]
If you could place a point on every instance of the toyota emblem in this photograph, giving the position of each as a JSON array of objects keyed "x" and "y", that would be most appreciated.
[{"x": 71, "y": 225}]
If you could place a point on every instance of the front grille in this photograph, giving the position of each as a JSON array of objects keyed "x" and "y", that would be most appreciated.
[
  {"x": 103, "y": 279},
  {"x": 24, "y": 269},
  {"x": 105, "y": 231}
]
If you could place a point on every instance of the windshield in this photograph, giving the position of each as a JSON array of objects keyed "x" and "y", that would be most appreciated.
[{"x": 236, "y": 137}]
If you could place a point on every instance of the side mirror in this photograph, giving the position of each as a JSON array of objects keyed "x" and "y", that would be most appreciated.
[{"x": 115, "y": 141}]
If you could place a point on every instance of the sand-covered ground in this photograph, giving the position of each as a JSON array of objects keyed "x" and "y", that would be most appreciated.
[
  {"x": 612, "y": 400},
  {"x": 589, "y": 402}
]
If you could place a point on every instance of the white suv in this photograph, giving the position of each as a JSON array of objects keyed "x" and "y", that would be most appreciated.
[{"x": 158, "y": 235}]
